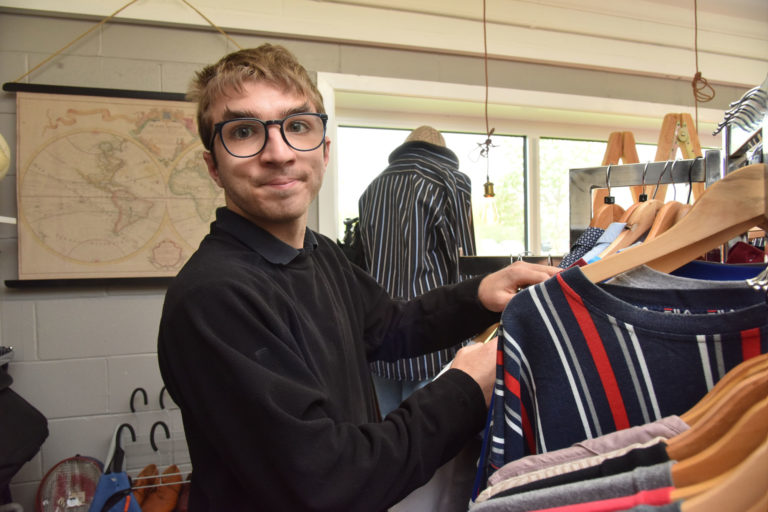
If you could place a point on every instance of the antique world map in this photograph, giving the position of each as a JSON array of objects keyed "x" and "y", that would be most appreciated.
[{"x": 109, "y": 187}]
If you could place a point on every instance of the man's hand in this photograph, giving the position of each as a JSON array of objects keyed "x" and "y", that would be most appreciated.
[
  {"x": 479, "y": 361},
  {"x": 498, "y": 288}
]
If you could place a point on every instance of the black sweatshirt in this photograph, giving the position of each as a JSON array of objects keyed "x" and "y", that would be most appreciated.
[{"x": 265, "y": 349}]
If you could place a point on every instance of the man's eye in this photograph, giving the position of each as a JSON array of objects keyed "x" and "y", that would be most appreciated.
[
  {"x": 297, "y": 126},
  {"x": 242, "y": 131}
]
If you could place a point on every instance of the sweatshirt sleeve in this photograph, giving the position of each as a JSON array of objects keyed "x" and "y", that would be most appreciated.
[{"x": 438, "y": 319}]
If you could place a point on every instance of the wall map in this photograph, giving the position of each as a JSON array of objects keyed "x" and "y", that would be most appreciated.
[{"x": 109, "y": 187}]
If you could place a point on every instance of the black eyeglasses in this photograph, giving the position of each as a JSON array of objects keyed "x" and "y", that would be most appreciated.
[{"x": 246, "y": 136}]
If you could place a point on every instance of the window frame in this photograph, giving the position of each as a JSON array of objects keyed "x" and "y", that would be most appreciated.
[{"x": 532, "y": 114}]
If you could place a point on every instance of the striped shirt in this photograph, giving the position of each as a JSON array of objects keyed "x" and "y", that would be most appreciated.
[
  {"x": 415, "y": 218},
  {"x": 577, "y": 360}
]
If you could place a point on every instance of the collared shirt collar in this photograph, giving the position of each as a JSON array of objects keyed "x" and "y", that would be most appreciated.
[
  {"x": 417, "y": 147},
  {"x": 272, "y": 249}
]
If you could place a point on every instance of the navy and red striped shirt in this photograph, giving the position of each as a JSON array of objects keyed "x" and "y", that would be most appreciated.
[{"x": 578, "y": 360}]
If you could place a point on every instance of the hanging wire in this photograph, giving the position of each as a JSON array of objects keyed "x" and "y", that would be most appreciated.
[
  {"x": 60, "y": 50},
  {"x": 213, "y": 24},
  {"x": 690, "y": 179},
  {"x": 488, "y": 131},
  {"x": 702, "y": 91},
  {"x": 105, "y": 20},
  {"x": 663, "y": 172},
  {"x": 486, "y": 146}
]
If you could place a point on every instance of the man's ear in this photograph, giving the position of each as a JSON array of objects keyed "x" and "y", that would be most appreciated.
[
  {"x": 326, "y": 150},
  {"x": 213, "y": 170}
]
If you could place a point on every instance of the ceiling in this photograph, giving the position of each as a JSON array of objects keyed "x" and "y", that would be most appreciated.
[{"x": 653, "y": 38}]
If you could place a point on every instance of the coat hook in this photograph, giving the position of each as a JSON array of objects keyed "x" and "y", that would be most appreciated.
[
  {"x": 116, "y": 457},
  {"x": 120, "y": 431},
  {"x": 162, "y": 392},
  {"x": 152, "y": 433},
  {"x": 133, "y": 395}
]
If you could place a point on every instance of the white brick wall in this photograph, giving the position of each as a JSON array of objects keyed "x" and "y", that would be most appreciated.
[{"x": 80, "y": 352}]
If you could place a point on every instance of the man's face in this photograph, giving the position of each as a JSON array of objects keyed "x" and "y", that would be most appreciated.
[{"x": 274, "y": 188}]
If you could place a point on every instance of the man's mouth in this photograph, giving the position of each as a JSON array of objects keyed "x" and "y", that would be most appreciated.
[{"x": 282, "y": 183}]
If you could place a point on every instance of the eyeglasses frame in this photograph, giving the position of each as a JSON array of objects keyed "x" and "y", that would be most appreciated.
[{"x": 280, "y": 122}]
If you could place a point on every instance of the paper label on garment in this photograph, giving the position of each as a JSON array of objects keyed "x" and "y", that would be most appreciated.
[{"x": 75, "y": 499}]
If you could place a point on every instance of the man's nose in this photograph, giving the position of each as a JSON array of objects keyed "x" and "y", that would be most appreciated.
[{"x": 276, "y": 148}]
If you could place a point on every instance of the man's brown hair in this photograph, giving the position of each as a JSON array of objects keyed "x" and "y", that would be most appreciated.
[{"x": 268, "y": 63}]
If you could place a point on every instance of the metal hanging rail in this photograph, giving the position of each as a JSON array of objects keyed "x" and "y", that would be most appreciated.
[{"x": 707, "y": 169}]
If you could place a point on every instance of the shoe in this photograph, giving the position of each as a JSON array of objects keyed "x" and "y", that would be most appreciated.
[
  {"x": 147, "y": 477},
  {"x": 165, "y": 496}
]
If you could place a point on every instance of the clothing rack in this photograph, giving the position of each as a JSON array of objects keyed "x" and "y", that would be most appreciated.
[
  {"x": 477, "y": 265},
  {"x": 743, "y": 127},
  {"x": 707, "y": 170}
]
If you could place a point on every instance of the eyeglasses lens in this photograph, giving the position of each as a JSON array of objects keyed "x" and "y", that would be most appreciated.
[{"x": 246, "y": 137}]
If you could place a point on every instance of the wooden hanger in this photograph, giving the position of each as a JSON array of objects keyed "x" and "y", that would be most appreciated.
[
  {"x": 609, "y": 211},
  {"x": 621, "y": 147},
  {"x": 668, "y": 215},
  {"x": 625, "y": 217},
  {"x": 672, "y": 211},
  {"x": 743, "y": 438},
  {"x": 730, "y": 207},
  {"x": 689, "y": 491},
  {"x": 731, "y": 379},
  {"x": 639, "y": 222},
  {"x": 741, "y": 490},
  {"x": 762, "y": 504},
  {"x": 719, "y": 418},
  {"x": 606, "y": 214}
]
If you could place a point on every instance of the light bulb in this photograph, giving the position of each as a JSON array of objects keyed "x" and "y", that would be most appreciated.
[{"x": 489, "y": 213}]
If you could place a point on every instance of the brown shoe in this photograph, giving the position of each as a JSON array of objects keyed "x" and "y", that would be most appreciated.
[
  {"x": 148, "y": 476},
  {"x": 165, "y": 496}
]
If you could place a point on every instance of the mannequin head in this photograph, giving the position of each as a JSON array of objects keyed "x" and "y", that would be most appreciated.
[{"x": 426, "y": 134}]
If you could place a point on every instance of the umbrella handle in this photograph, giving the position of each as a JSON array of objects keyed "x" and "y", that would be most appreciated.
[{"x": 116, "y": 462}]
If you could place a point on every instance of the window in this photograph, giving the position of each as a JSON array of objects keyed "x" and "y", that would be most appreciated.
[
  {"x": 556, "y": 158},
  {"x": 364, "y": 152}
]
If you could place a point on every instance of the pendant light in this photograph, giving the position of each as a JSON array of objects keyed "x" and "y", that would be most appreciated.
[{"x": 489, "y": 213}]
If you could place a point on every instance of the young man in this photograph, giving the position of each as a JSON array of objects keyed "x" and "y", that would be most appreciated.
[{"x": 267, "y": 331}]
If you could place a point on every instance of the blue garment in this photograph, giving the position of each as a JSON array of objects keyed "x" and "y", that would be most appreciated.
[
  {"x": 581, "y": 246},
  {"x": 391, "y": 393},
  {"x": 613, "y": 230},
  {"x": 714, "y": 271},
  {"x": 113, "y": 494}
]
